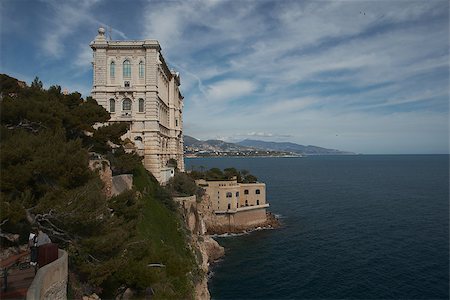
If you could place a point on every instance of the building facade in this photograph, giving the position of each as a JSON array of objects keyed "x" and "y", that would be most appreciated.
[
  {"x": 134, "y": 84},
  {"x": 237, "y": 204}
]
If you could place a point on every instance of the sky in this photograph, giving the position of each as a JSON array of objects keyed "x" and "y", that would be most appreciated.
[{"x": 369, "y": 77}]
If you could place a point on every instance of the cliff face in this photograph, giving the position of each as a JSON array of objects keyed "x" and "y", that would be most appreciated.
[
  {"x": 209, "y": 250},
  {"x": 201, "y": 220}
]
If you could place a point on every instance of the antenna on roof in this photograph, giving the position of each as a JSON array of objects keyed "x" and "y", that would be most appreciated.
[{"x": 110, "y": 32}]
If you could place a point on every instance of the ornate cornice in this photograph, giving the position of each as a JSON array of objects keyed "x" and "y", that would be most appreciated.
[{"x": 151, "y": 44}]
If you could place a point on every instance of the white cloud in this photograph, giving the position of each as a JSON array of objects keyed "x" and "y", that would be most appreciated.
[
  {"x": 84, "y": 57},
  {"x": 287, "y": 106},
  {"x": 67, "y": 18},
  {"x": 352, "y": 75},
  {"x": 228, "y": 90}
]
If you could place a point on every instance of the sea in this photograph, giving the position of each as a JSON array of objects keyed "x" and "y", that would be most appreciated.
[{"x": 353, "y": 227}]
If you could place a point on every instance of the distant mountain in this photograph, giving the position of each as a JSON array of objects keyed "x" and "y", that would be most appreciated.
[
  {"x": 290, "y": 147},
  {"x": 213, "y": 145},
  {"x": 189, "y": 140},
  {"x": 253, "y": 147}
]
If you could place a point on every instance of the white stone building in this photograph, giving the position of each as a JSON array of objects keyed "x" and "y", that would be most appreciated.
[{"x": 133, "y": 82}]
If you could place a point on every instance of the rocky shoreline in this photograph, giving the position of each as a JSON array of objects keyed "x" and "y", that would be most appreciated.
[
  {"x": 200, "y": 221},
  {"x": 271, "y": 223},
  {"x": 211, "y": 250}
]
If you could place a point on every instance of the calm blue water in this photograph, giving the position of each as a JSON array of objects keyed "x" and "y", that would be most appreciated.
[{"x": 372, "y": 227}]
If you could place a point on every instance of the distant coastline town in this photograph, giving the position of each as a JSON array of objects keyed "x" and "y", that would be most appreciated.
[{"x": 252, "y": 148}]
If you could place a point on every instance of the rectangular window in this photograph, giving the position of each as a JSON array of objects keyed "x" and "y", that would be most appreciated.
[
  {"x": 126, "y": 69},
  {"x": 112, "y": 69},
  {"x": 141, "y": 69},
  {"x": 112, "y": 105}
]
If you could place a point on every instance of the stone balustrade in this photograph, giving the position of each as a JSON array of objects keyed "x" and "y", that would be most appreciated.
[{"x": 50, "y": 281}]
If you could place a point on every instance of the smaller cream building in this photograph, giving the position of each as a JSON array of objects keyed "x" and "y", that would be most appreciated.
[{"x": 237, "y": 204}]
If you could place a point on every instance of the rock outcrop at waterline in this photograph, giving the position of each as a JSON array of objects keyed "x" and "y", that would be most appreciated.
[
  {"x": 208, "y": 249},
  {"x": 271, "y": 223}
]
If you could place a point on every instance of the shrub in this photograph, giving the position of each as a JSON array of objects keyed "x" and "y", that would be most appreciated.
[{"x": 182, "y": 185}]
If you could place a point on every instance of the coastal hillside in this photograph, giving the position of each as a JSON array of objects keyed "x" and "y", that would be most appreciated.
[
  {"x": 290, "y": 147},
  {"x": 213, "y": 145},
  {"x": 214, "y": 148},
  {"x": 48, "y": 140},
  {"x": 255, "y": 148}
]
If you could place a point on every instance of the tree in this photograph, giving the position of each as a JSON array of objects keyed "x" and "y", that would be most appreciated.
[
  {"x": 230, "y": 173},
  {"x": 215, "y": 174},
  {"x": 45, "y": 142},
  {"x": 9, "y": 85},
  {"x": 99, "y": 141},
  {"x": 182, "y": 185},
  {"x": 250, "y": 179},
  {"x": 122, "y": 162},
  {"x": 172, "y": 163},
  {"x": 36, "y": 84}
]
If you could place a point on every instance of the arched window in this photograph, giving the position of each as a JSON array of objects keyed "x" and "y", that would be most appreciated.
[
  {"x": 126, "y": 104},
  {"x": 229, "y": 206},
  {"x": 126, "y": 69},
  {"x": 258, "y": 192},
  {"x": 138, "y": 142},
  {"x": 229, "y": 195},
  {"x": 112, "y": 105},
  {"x": 237, "y": 194},
  {"x": 112, "y": 69},
  {"x": 245, "y": 192},
  {"x": 141, "y": 105},
  {"x": 141, "y": 69},
  {"x": 246, "y": 202},
  {"x": 257, "y": 202}
]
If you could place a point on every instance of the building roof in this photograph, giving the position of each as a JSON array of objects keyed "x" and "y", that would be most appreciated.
[{"x": 100, "y": 42}]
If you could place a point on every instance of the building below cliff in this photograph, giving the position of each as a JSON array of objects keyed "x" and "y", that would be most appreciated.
[{"x": 236, "y": 205}]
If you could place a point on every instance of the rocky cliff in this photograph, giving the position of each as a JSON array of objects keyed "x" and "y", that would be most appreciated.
[
  {"x": 208, "y": 249},
  {"x": 201, "y": 221}
]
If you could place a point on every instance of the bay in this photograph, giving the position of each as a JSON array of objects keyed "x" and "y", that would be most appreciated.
[{"x": 354, "y": 227}]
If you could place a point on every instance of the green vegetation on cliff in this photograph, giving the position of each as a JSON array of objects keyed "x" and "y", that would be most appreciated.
[
  {"x": 46, "y": 138},
  {"x": 242, "y": 176}
]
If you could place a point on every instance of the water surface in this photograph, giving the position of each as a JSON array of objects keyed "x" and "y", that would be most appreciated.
[{"x": 372, "y": 227}]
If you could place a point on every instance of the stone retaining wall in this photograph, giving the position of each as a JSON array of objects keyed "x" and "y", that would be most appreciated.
[
  {"x": 121, "y": 183},
  {"x": 241, "y": 219},
  {"x": 50, "y": 281}
]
